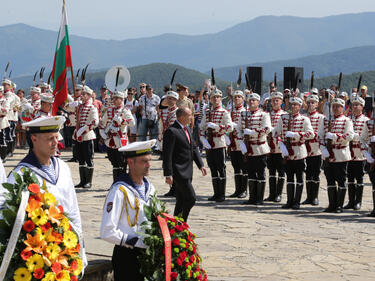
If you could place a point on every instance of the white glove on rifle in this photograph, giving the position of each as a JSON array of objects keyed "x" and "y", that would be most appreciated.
[
  {"x": 249, "y": 132},
  {"x": 368, "y": 156},
  {"x": 355, "y": 137},
  {"x": 227, "y": 140},
  {"x": 205, "y": 142},
  {"x": 74, "y": 103},
  {"x": 290, "y": 134},
  {"x": 82, "y": 131},
  {"x": 243, "y": 147},
  {"x": 103, "y": 134},
  {"x": 213, "y": 126},
  {"x": 117, "y": 119},
  {"x": 330, "y": 136},
  {"x": 284, "y": 150},
  {"x": 325, "y": 153}
]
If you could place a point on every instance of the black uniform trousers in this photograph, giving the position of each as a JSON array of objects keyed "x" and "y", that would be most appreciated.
[
  {"x": 275, "y": 164},
  {"x": 216, "y": 162},
  {"x": 237, "y": 160},
  {"x": 356, "y": 171},
  {"x": 125, "y": 264},
  {"x": 68, "y": 132},
  {"x": 256, "y": 166},
  {"x": 371, "y": 175},
  {"x": 336, "y": 172},
  {"x": 295, "y": 168},
  {"x": 2, "y": 138},
  {"x": 116, "y": 158},
  {"x": 86, "y": 153},
  {"x": 185, "y": 197},
  {"x": 313, "y": 165}
]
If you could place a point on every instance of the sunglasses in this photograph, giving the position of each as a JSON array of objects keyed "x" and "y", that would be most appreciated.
[{"x": 142, "y": 87}]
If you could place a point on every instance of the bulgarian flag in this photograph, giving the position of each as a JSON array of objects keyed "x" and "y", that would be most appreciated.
[{"x": 61, "y": 64}]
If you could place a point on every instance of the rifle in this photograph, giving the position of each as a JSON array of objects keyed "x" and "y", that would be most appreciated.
[
  {"x": 209, "y": 132},
  {"x": 231, "y": 135},
  {"x": 359, "y": 84},
  {"x": 340, "y": 80},
  {"x": 329, "y": 142},
  {"x": 6, "y": 70},
  {"x": 247, "y": 137},
  {"x": 289, "y": 140},
  {"x": 275, "y": 79},
  {"x": 312, "y": 80}
]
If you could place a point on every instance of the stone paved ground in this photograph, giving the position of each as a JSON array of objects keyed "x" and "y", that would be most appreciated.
[{"x": 241, "y": 243}]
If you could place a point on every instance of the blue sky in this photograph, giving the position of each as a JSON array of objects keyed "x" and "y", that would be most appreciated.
[{"x": 122, "y": 19}]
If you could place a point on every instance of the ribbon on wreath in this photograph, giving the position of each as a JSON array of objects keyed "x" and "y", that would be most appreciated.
[{"x": 167, "y": 244}]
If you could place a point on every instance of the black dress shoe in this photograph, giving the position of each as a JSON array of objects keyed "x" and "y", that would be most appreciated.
[
  {"x": 72, "y": 160},
  {"x": 169, "y": 194}
]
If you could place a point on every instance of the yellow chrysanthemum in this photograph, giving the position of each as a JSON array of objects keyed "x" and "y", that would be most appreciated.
[
  {"x": 63, "y": 275},
  {"x": 52, "y": 251},
  {"x": 49, "y": 199},
  {"x": 65, "y": 224},
  {"x": 39, "y": 231},
  {"x": 22, "y": 274},
  {"x": 79, "y": 267},
  {"x": 39, "y": 217},
  {"x": 34, "y": 262},
  {"x": 70, "y": 239},
  {"x": 50, "y": 276}
]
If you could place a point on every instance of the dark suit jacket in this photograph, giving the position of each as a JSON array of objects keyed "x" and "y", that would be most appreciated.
[{"x": 178, "y": 154}]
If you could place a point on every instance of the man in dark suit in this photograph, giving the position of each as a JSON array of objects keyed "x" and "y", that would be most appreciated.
[{"x": 179, "y": 152}]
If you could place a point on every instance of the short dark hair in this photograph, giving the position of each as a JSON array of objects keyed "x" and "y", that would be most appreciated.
[{"x": 181, "y": 111}]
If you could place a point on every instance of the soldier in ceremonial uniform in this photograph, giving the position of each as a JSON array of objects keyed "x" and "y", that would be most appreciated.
[
  {"x": 35, "y": 97},
  {"x": 123, "y": 211},
  {"x": 255, "y": 125},
  {"x": 274, "y": 158},
  {"x": 314, "y": 155},
  {"x": 113, "y": 130},
  {"x": 52, "y": 170},
  {"x": 87, "y": 120},
  {"x": 357, "y": 147},
  {"x": 216, "y": 122},
  {"x": 292, "y": 131},
  {"x": 335, "y": 148},
  {"x": 45, "y": 106},
  {"x": 167, "y": 115},
  {"x": 236, "y": 156},
  {"x": 4, "y": 108}
]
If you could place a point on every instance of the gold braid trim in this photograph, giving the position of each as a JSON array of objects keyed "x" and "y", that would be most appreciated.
[{"x": 126, "y": 203}]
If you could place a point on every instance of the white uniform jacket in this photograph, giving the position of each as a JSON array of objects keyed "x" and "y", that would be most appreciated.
[
  {"x": 273, "y": 142},
  {"x": 4, "y": 108},
  {"x": 118, "y": 211},
  {"x": 235, "y": 139},
  {"x": 88, "y": 119},
  {"x": 167, "y": 118},
  {"x": 313, "y": 145},
  {"x": 360, "y": 137}
]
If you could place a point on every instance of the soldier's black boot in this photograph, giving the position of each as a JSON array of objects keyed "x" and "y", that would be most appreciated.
[
  {"x": 222, "y": 188},
  {"x": 252, "y": 193},
  {"x": 237, "y": 185},
  {"x": 340, "y": 199},
  {"x": 3, "y": 153},
  {"x": 297, "y": 197},
  {"x": 372, "y": 214},
  {"x": 315, "y": 193},
  {"x": 351, "y": 194},
  {"x": 215, "y": 186},
  {"x": 89, "y": 174},
  {"x": 290, "y": 196},
  {"x": 9, "y": 149},
  {"x": 171, "y": 192},
  {"x": 279, "y": 189},
  {"x": 332, "y": 194},
  {"x": 358, "y": 197},
  {"x": 82, "y": 176},
  {"x": 272, "y": 188},
  {"x": 243, "y": 192},
  {"x": 308, "y": 193},
  {"x": 260, "y": 192}
]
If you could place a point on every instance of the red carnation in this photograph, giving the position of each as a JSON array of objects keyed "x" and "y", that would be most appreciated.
[
  {"x": 192, "y": 259},
  {"x": 25, "y": 255},
  {"x": 28, "y": 226},
  {"x": 38, "y": 273},
  {"x": 176, "y": 242},
  {"x": 187, "y": 264},
  {"x": 179, "y": 228},
  {"x": 174, "y": 275},
  {"x": 186, "y": 245},
  {"x": 179, "y": 261},
  {"x": 172, "y": 231},
  {"x": 56, "y": 267},
  {"x": 34, "y": 197},
  {"x": 73, "y": 265},
  {"x": 34, "y": 188},
  {"x": 73, "y": 278},
  {"x": 46, "y": 227},
  {"x": 200, "y": 277}
]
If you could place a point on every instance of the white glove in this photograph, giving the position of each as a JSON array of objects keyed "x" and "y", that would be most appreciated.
[
  {"x": 103, "y": 134},
  {"x": 325, "y": 153},
  {"x": 368, "y": 156},
  {"x": 117, "y": 119},
  {"x": 114, "y": 129},
  {"x": 27, "y": 107},
  {"x": 74, "y": 103},
  {"x": 213, "y": 126},
  {"x": 372, "y": 139},
  {"x": 227, "y": 140},
  {"x": 330, "y": 136},
  {"x": 81, "y": 131},
  {"x": 249, "y": 132},
  {"x": 355, "y": 137},
  {"x": 205, "y": 142},
  {"x": 284, "y": 150},
  {"x": 234, "y": 124},
  {"x": 292, "y": 135},
  {"x": 243, "y": 147}
]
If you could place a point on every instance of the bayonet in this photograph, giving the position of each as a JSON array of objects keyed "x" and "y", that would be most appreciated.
[
  {"x": 312, "y": 80},
  {"x": 275, "y": 79},
  {"x": 239, "y": 80},
  {"x": 340, "y": 80},
  {"x": 10, "y": 74},
  {"x": 34, "y": 78},
  {"x": 41, "y": 74},
  {"x": 359, "y": 83},
  {"x": 172, "y": 79},
  {"x": 6, "y": 69}
]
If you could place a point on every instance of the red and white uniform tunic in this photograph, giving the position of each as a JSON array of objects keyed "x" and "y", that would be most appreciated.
[
  {"x": 360, "y": 137},
  {"x": 114, "y": 123},
  {"x": 167, "y": 118},
  {"x": 221, "y": 117},
  {"x": 275, "y": 116},
  {"x": 342, "y": 128},
  {"x": 260, "y": 122},
  {"x": 236, "y": 140},
  {"x": 4, "y": 108},
  {"x": 87, "y": 118},
  {"x": 313, "y": 145},
  {"x": 299, "y": 124}
]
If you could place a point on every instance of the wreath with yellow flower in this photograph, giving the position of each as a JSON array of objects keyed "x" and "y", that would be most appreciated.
[{"x": 47, "y": 248}]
